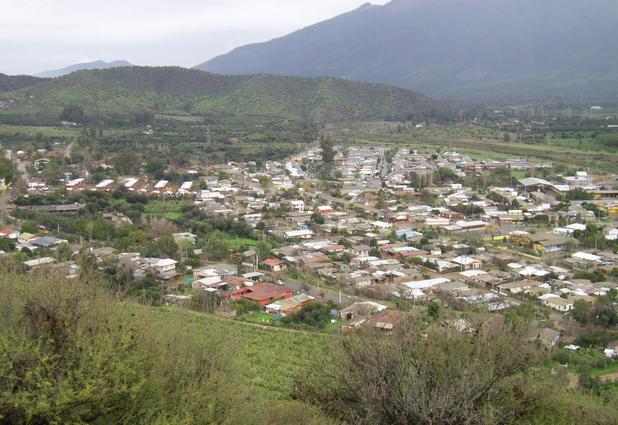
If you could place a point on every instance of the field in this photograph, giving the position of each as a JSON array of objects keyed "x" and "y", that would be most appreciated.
[
  {"x": 169, "y": 209},
  {"x": 480, "y": 144},
  {"x": 268, "y": 357}
]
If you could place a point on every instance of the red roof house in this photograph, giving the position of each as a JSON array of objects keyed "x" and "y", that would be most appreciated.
[{"x": 264, "y": 293}]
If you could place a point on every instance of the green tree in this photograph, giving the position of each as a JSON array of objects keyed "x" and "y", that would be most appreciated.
[
  {"x": 8, "y": 172},
  {"x": 72, "y": 113},
  {"x": 126, "y": 162},
  {"x": 64, "y": 252},
  {"x": 167, "y": 246},
  {"x": 216, "y": 246}
]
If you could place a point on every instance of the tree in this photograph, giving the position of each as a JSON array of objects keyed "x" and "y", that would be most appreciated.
[
  {"x": 582, "y": 312},
  {"x": 8, "y": 172},
  {"x": 155, "y": 168},
  {"x": 263, "y": 248},
  {"x": 313, "y": 315},
  {"x": 420, "y": 375},
  {"x": 317, "y": 218},
  {"x": 167, "y": 246},
  {"x": 64, "y": 252},
  {"x": 126, "y": 162},
  {"x": 216, "y": 246},
  {"x": 433, "y": 310},
  {"x": 328, "y": 155},
  {"x": 72, "y": 113},
  {"x": 29, "y": 227},
  {"x": 7, "y": 245}
]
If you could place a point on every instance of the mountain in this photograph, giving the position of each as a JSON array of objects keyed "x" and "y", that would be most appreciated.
[
  {"x": 16, "y": 82},
  {"x": 470, "y": 49},
  {"x": 83, "y": 66},
  {"x": 179, "y": 90}
]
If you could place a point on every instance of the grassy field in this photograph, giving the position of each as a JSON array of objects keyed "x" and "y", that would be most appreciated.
[
  {"x": 478, "y": 143},
  {"x": 270, "y": 358},
  {"x": 235, "y": 243},
  {"x": 169, "y": 209},
  {"x": 12, "y": 130}
]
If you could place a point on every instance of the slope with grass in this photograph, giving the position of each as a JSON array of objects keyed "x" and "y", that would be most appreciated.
[{"x": 183, "y": 91}]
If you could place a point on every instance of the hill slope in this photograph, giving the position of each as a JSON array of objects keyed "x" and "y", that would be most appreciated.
[
  {"x": 453, "y": 48},
  {"x": 16, "y": 82},
  {"x": 82, "y": 67},
  {"x": 179, "y": 90}
]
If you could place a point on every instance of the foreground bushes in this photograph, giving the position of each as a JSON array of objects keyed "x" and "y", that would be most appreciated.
[{"x": 70, "y": 353}]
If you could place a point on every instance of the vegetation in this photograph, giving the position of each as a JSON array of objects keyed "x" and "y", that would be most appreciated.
[
  {"x": 72, "y": 353},
  {"x": 443, "y": 376},
  {"x": 136, "y": 91}
]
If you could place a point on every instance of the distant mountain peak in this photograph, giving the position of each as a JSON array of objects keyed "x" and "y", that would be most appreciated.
[
  {"x": 98, "y": 64},
  {"x": 453, "y": 49}
]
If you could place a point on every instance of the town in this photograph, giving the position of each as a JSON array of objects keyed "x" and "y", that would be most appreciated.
[{"x": 372, "y": 234}]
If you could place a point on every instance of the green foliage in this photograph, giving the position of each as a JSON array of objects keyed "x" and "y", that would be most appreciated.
[
  {"x": 64, "y": 252},
  {"x": 71, "y": 353},
  {"x": 72, "y": 113},
  {"x": 578, "y": 195},
  {"x": 126, "y": 162},
  {"x": 216, "y": 246},
  {"x": 311, "y": 315},
  {"x": 8, "y": 172},
  {"x": 244, "y": 306},
  {"x": 7, "y": 245},
  {"x": 130, "y": 96}
]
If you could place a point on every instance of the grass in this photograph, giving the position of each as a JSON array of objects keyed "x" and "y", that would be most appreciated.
[
  {"x": 612, "y": 368},
  {"x": 168, "y": 209},
  {"x": 260, "y": 318},
  {"x": 32, "y": 131},
  {"x": 270, "y": 358},
  {"x": 235, "y": 243}
]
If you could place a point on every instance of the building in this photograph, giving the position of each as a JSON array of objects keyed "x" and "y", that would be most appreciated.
[
  {"x": 262, "y": 293},
  {"x": 289, "y": 306},
  {"x": 274, "y": 264}
]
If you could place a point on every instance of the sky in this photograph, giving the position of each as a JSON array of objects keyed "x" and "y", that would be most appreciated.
[{"x": 40, "y": 35}]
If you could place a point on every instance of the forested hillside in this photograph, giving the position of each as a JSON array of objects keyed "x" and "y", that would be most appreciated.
[{"x": 184, "y": 91}]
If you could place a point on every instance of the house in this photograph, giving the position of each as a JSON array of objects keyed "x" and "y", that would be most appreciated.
[
  {"x": 46, "y": 242},
  {"x": 299, "y": 234},
  {"x": 165, "y": 266},
  {"x": 297, "y": 206},
  {"x": 274, "y": 264},
  {"x": 360, "y": 250},
  {"x": 38, "y": 263},
  {"x": 324, "y": 210},
  {"x": 8, "y": 232},
  {"x": 548, "y": 337},
  {"x": 387, "y": 320},
  {"x": 548, "y": 243},
  {"x": 467, "y": 263},
  {"x": 263, "y": 293},
  {"x": 289, "y": 306},
  {"x": 362, "y": 309},
  {"x": 556, "y": 302}
]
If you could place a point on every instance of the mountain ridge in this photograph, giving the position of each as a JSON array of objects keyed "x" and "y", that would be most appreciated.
[
  {"x": 98, "y": 64},
  {"x": 181, "y": 90},
  {"x": 452, "y": 48},
  {"x": 17, "y": 82}
]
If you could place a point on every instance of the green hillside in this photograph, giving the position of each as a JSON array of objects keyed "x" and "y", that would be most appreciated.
[
  {"x": 184, "y": 91},
  {"x": 16, "y": 82}
]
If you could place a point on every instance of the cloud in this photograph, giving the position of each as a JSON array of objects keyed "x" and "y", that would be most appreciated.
[{"x": 44, "y": 34}]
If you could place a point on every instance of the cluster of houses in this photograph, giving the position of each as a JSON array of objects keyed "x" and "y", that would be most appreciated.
[{"x": 378, "y": 236}]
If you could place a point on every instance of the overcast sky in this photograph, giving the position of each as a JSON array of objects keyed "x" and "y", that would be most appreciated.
[{"x": 39, "y": 35}]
